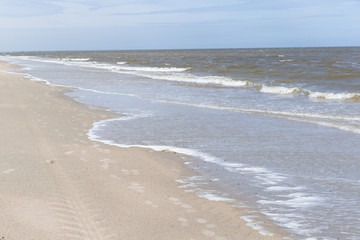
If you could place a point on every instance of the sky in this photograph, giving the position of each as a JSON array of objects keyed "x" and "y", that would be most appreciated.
[{"x": 40, "y": 25}]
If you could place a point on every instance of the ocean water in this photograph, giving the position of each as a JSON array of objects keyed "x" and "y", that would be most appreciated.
[{"x": 276, "y": 130}]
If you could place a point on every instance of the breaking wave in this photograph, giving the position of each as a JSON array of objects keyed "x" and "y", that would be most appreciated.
[
  {"x": 313, "y": 95},
  {"x": 335, "y": 96}
]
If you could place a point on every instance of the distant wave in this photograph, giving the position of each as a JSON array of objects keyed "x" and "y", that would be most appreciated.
[
  {"x": 335, "y": 96},
  {"x": 76, "y": 59},
  {"x": 84, "y": 62},
  {"x": 122, "y": 67},
  {"x": 286, "y": 60},
  {"x": 314, "y": 95},
  {"x": 190, "y": 78},
  {"x": 280, "y": 90},
  {"x": 153, "y": 69}
]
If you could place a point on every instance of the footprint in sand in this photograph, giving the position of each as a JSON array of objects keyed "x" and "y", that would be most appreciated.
[
  {"x": 150, "y": 203},
  {"x": 186, "y": 206},
  {"x": 115, "y": 177},
  {"x": 8, "y": 171},
  {"x": 106, "y": 163},
  {"x": 219, "y": 238},
  {"x": 201, "y": 220},
  {"x": 137, "y": 187},
  {"x": 210, "y": 225},
  {"x": 69, "y": 152},
  {"x": 189, "y": 209},
  {"x": 183, "y": 221},
  {"x": 208, "y": 233},
  {"x": 134, "y": 172},
  {"x": 175, "y": 201}
]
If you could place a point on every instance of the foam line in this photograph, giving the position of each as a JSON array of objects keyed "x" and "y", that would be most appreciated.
[{"x": 269, "y": 112}]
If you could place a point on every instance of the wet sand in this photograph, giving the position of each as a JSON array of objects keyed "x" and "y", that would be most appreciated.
[{"x": 55, "y": 183}]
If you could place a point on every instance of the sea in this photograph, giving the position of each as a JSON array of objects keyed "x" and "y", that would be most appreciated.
[{"x": 275, "y": 131}]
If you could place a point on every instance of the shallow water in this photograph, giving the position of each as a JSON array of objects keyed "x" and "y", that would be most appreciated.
[{"x": 277, "y": 128}]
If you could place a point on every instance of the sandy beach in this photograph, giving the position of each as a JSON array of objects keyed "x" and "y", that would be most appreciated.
[{"x": 57, "y": 184}]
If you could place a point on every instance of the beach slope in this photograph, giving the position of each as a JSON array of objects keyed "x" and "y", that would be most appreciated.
[{"x": 57, "y": 184}]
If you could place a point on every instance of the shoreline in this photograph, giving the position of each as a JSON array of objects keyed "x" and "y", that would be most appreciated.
[{"x": 59, "y": 184}]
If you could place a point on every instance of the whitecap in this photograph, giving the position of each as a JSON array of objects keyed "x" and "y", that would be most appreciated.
[{"x": 280, "y": 90}]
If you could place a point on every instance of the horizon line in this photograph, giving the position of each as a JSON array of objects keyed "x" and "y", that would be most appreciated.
[{"x": 174, "y": 49}]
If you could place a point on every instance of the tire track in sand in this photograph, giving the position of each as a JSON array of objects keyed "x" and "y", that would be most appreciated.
[{"x": 76, "y": 218}]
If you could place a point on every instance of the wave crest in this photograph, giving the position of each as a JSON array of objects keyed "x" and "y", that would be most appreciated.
[
  {"x": 335, "y": 96},
  {"x": 280, "y": 90},
  {"x": 313, "y": 95}
]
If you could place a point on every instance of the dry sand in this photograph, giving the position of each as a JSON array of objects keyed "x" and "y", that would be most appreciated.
[{"x": 57, "y": 184}]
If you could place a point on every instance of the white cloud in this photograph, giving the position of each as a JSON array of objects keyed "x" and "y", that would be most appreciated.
[
  {"x": 87, "y": 13},
  {"x": 110, "y": 13}
]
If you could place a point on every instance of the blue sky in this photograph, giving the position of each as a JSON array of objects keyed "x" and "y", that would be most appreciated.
[{"x": 167, "y": 24}]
